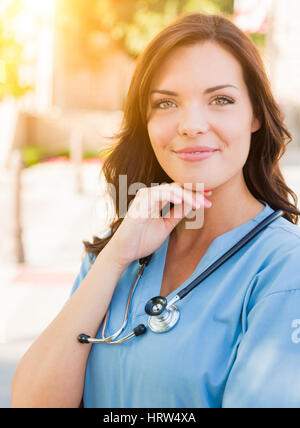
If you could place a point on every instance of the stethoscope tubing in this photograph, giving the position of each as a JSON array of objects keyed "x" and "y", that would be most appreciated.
[
  {"x": 110, "y": 339},
  {"x": 248, "y": 237},
  {"x": 125, "y": 320},
  {"x": 140, "y": 329}
]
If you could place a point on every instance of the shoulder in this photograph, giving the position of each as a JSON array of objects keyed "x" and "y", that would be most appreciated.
[
  {"x": 279, "y": 258},
  {"x": 279, "y": 239},
  {"x": 285, "y": 230}
]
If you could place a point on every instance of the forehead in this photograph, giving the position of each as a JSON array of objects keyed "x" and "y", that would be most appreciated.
[{"x": 199, "y": 65}]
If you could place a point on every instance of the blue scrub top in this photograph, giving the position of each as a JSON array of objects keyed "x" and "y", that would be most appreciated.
[{"x": 237, "y": 343}]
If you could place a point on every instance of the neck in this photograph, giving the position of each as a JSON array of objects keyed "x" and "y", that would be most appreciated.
[{"x": 232, "y": 206}]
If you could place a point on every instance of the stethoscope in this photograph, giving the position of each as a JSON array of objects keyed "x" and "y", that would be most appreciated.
[{"x": 164, "y": 315}]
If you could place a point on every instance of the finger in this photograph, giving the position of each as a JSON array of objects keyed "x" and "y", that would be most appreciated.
[
  {"x": 149, "y": 202},
  {"x": 191, "y": 197},
  {"x": 162, "y": 200},
  {"x": 185, "y": 196}
]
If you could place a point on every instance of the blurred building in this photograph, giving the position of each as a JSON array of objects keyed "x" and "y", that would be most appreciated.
[
  {"x": 283, "y": 60},
  {"x": 102, "y": 88},
  {"x": 67, "y": 99},
  {"x": 279, "y": 21}
]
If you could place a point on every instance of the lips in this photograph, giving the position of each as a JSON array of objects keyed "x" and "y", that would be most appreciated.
[
  {"x": 195, "y": 153},
  {"x": 196, "y": 149}
]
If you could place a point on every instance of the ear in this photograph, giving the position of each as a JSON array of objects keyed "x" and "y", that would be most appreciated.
[{"x": 256, "y": 124}]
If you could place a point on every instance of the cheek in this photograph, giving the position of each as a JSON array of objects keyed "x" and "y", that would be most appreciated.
[
  {"x": 235, "y": 132},
  {"x": 161, "y": 132}
]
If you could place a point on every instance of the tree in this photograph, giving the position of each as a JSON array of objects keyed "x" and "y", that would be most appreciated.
[
  {"x": 129, "y": 24},
  {"x": 11, "y": 52}
]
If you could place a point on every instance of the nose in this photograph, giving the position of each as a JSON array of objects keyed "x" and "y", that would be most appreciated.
[{"x": 193, "y": 123}]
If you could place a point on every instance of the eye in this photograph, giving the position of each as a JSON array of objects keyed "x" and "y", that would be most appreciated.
[
  {"x": 163, "y": 104},
  {"x": 221, "y": 101}
]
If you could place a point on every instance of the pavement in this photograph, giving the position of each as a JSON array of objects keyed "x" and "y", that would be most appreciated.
[{"x": 56, "y": 219}]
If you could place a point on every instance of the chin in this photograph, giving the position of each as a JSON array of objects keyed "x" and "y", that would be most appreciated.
[{"x": 190, "y": 184}]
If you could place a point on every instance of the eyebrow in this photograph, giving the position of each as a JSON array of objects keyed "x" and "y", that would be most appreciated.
[{"x": 207, "y": 91}]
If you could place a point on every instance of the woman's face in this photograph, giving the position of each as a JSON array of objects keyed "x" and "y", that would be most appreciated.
[{"x": 199, "y": 100}]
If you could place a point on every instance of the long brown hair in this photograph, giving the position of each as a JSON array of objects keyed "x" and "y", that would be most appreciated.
[{"x": 132, "y": 154}]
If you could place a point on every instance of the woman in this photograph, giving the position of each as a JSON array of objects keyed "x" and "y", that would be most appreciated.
[{"x": 200, "y": 86}]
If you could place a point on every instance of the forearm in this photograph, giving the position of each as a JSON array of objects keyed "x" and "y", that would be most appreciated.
[{"x": 51, "y": 373}]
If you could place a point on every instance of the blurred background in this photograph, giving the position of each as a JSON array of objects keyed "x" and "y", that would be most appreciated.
[{"x": 65, "y": 68}]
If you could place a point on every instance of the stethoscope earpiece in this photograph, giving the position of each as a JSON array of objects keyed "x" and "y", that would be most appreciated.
[
  {"x": 83, "y": 338},
  {"x": 139, "y": 330}
]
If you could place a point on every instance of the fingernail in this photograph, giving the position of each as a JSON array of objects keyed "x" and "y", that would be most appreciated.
[
  {"x": 207, "y": 191},
  {"x": 207, "y": 203}
]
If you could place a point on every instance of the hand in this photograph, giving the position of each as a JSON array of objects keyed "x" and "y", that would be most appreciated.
[{"x": 143, "y": 229}]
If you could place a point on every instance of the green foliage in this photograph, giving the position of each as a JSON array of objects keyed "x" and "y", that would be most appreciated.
[
  {"x": 259, "y": 39},
  {"x": 90, "y": 154},
  {"x": 32, "y": 154},
  {"x": 204, "y": 6},
  {"x": 11, "y": 52}
]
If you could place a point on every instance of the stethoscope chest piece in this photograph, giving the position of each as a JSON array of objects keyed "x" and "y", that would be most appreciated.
[{"x": 161, "y": 318}]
